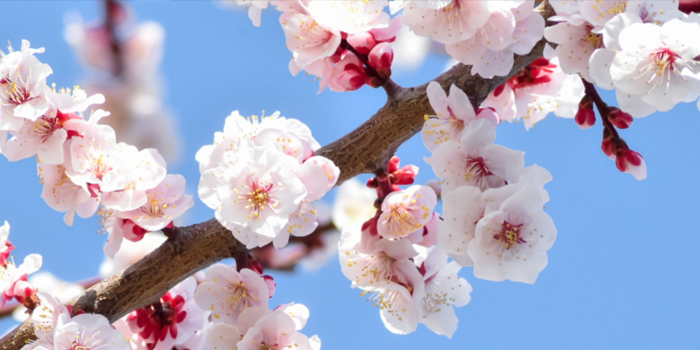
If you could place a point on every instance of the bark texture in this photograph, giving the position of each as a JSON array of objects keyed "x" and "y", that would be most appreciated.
[{"x": 364, "y": 150}]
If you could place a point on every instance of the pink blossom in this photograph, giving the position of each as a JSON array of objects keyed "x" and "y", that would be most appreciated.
[
  {"x": 453, "y": 114},
  {"x": 84, "y": 331},
  {"x": 165, "y": 203},
  {"x": 444, "y": 290},
  {"x": 45, "y": 135},
  {"x": 63, "y": 195},
  {"x": 226, "y": 292},
  {"x": 381, "y": 267},
  {"x": 512, "y": 239},
  {"x": 476, "y": 161},
  {"x": 407, "y": 211},
  {"x": 446, "y": 22},
  {"x": 463, "y": 207},
  {"x": 6, "y": 246},
  {"x": 22, "y": 87},
  {"x": 308, "y": 40},
  {"x": 49, "y": 315},
  {"x": 272, "y": 329},
  {"x": 13, "y": 278},
  {"x": 143, "y": 171}
]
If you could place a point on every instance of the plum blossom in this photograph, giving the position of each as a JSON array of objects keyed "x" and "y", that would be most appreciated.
[
  {"x": 13, "y": 278},
  {"x": 226, "y": 292},
  {"x": 164, "y": 203},
  {"x": 172, "y": 320},
  {"x": 84, "y": 331},
  {"x": 22, "y": 86},
  {"x": 517, "y": 30},
  {"x": 255, "y": 8},
  {"x": 383, "y": 269},
  {"x": 512, "y": 240},
  {"x": 444, "y": 289},
  {"x": 63, "y": 195},
  {"x": 45, "y": 135},
  {"x": 447, "y": 22},
  {"x": 257, "y": 192},
  {"x": 308, "y": 40},
  {"x": 48, "y": 315},
  {"x": 144, "y": 171},
  {"x": 407, "y": 211},
  {"x": 453, "y": 114},
  {"x": 266, "y": 329},
  {"x": 657, "y": 62},
  {"x": 476, "y": 161}
]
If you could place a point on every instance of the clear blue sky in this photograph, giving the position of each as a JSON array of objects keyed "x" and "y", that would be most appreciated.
[{"x": 623, "y": 273}]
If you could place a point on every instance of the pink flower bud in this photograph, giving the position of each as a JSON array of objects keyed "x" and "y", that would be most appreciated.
[
  {"x": 406, "y": 175},
  {"x": 349, "y": 80},
  {"x": 380, "y": 58},
  {"x": 394, "y": 163},
  {"x": 632, "y": 162},
  {"x": 489, "y": 114},
  {"x": 620, "y": 119},
  {"x": 585, "y": 117},
  {"x": 363, "y": 42},
  {"x": 608, "y": 148}
]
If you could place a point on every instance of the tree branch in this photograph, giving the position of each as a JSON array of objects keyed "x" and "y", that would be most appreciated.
[{"x": 364, "y": 150}]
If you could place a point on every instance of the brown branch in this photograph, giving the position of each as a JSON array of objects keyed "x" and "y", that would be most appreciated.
[{"x": 364, "y": 150}]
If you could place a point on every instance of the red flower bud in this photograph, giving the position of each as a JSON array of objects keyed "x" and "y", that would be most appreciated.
[
  {"x": 380, "y": 59},
  {"x": 620, "y": 119}
]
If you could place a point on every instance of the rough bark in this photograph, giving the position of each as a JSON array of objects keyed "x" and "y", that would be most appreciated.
[{"x": 364, "y": 150}]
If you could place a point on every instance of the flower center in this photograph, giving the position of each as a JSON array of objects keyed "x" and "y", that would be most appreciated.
[
  {"x": 510, "y": 234},
  {"x": 238, "y": 298},
  {"x": 77, "y": 346},
  {"x": 477, "y": 171},
  {"x": 44, "y": 127},
  {"x": 595, "y": 40},
  {"x": 381, "y": 267},
  {"x": 15, "y": 92},
  {"x": 259, "y": 198},
  {"x": 663, "y": 59},
  {"x": 401, "y": 221}
]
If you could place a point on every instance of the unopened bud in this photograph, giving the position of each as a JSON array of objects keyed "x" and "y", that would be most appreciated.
[
  {"x": 380, "y": 59},
  {"x": 620, "y": 119},
  {"x": 362, "y": 42},
  {"x": 585, "y": 117}
]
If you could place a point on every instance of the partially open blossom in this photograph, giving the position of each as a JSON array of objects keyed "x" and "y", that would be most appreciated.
[
  {"x": 629, "y": 161},
  {"x": 585, "y": 117},
  {"x": 13, "y": 278},
  {"x": 620, "y": 119},
  {"x": 380, "y": 58},
  {"x": 407, "y": 211},
  {"x": 266, "y": 329}
]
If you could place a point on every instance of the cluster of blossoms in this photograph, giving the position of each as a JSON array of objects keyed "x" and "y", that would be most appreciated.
[
  {"x": 227, "y": 309},
  {"x": 392, "y": 257},
  {"x": 493, "y": 204},
  {"x": 261, "y": 177},
  {"x": 121, "y": 59},
  {"x": 80, "y": 163}
]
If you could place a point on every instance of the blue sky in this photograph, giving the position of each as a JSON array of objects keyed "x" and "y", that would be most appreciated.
[{"x": 623, "y": 273}]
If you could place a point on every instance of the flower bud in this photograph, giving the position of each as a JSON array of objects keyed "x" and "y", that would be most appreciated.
[
  {"x": 620, "y": 119},
  {"x": 394, "y": 163},
  {"x": 608, "y": 148},
  {"x": 349, "y": 80},
  {"x": 406, "y": 175},
  {"x": 380, "y": 59},
  {"x": 362, "y": 42},
  {"x": 585, "y": 117},
  {"x": 629, "y": 161}
]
